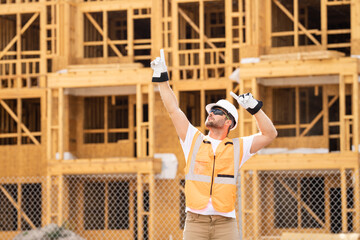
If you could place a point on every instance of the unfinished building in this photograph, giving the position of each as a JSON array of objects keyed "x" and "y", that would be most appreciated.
[{"x": 79, "y": 112}]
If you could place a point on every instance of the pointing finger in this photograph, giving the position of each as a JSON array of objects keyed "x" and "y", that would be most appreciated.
[
  {"x": 162, "y": 55},
  {"x": 234, "y": 95}
]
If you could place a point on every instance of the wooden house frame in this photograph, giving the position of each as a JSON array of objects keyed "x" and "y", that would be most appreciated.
[{"x": 61, "y": 53}]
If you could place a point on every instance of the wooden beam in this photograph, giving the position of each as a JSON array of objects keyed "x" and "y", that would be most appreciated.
[
  {"x": 243, "y": 203},
  {"x": 152, "y": 206},
  {"x": 61, "y": 119},
  {"x": 23, "y": 29},
  {"x": 355, "y": 112},
  {"x": 342, "y": 112},
  {"x": 49, "y": 124},
  {"x": 140, "y": 207},
  {"x": 356, "y": 199},
  {"x": 302, "y": 161},
  {"x": 287, "y": 13},
  {"x": 139, "y": 117},
  {"x": 105, "y": 166},
  {"x": 202, "y": 109},
  {"x": 23, "y": 127},
  {"x": 18, "y": 207},
  {"x": 297, "y": 111},
  {"x": 151, "y": 104},
  {"x": 201, "y": 32},
  {"x": 256, "y": 206},
  {"x": 296, "y": 23},
  {"x": 324, "y": 24},
  {"x": 344, "y": 219}
]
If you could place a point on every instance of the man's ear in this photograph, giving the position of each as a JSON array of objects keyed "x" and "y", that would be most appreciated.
[{"x": 228, "y": 122}]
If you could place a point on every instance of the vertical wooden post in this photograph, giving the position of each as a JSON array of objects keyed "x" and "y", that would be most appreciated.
[
  {"x": 18, "y": 82},
  {"x": 151, "y": 104},
  {"x": 248, "y": 22},
  {"x": 343, "y": 200},
  {"x": 202, "y": 40},
  {"x": 296, "y": 24},
  {"x": 130, "y": 30},
  {"x": 243, "y": 196},
  {"x": 202, "y": 109},
  {"x": 298, "y": 196},
  {"x": 49, "y": 123},
  {"x": 106, "y": 224},
  {"x": 139, "y": 117},
  {"x": 131, "y": 122},
  {"x": 156, "y": 27},
  {"x": 256, "y": 203},
  {"x": 239, "y": 198},
  {"x": 152, "y": 206},
  {"x": 327, "y": 204},
  {"x": 175, "y": 40},
  {"x": 106, "y": 35},
  {"x": 268, "y": 21},
  {"x": 19, "y": 115},
  {"x": 324, "y": 23},
  {"x": 356, "y": 190},
  {"x": 19, "y": 204},
  {"x": 61, "y": 123},
  {"x": 60, "y": 200},
  {"x": 342, "y": 112},
  {"x": 48, "y": 200},
  {"x": 228, "y": 39},
  {"x": 326, "y": 114},
  {"x": 297, "y": 111},
  {"x": 43, "y": 47},
  {"x": 106, "y": 122},
  {"x": 139, "y": 206},
  {"x": 355, "y": 112}
]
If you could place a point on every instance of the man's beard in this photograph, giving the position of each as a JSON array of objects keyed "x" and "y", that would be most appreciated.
[{"x": 214, "y": 124}]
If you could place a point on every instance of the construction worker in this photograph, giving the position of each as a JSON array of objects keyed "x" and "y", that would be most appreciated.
[{"x": 213, "y": 161}]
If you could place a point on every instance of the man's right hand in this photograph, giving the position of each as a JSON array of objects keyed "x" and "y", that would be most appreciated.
[
  {"x": 160, "y": 69},
  {"x": 248, "y": 102}
]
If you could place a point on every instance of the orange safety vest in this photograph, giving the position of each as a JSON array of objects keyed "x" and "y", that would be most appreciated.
[{"x": 208, "y": 175}]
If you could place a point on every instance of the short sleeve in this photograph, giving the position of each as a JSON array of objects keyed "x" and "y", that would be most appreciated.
[
  {"x": 186, "y": 145},
  {"x": 247, "y": 142}
]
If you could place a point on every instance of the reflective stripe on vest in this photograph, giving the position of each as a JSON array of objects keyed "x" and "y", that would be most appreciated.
[{"x": 203, "y": 178}]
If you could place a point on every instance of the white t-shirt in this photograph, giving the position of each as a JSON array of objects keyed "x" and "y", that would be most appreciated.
[{"x": 186, "y": 146}]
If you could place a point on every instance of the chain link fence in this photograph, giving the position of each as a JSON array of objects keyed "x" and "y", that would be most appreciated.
[{"x": 120, "y": 206}]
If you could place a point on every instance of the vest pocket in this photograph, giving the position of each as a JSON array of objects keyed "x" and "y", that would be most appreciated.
[{"x": 202, "y": 166}]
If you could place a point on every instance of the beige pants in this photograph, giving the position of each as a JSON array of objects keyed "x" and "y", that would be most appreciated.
[{"x": 214, "y": 227}]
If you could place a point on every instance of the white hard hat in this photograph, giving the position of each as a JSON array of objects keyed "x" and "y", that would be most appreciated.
[{"x": 228, "y": 106}]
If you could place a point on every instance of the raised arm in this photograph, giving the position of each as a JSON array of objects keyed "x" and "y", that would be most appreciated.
[
  {"x": 181, "y": 123},
  {"x": 265, "y": 125},
  {"x": 267, "y": 129}
]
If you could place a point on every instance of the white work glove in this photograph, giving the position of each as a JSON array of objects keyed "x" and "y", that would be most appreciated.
[
  {"x": 248, "y": 102},
  {"x": 160, "y": 70}
]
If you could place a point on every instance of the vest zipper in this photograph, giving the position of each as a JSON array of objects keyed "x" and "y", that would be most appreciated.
[{"x": 212, "y": 177}]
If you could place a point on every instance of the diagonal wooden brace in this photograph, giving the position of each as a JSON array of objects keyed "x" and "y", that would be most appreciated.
[
  {"x": 317, "y": 118},
  {"x": 16, "y": 205},
  {"x": 287, "y": 13},
  {"x": 96, "y": 25},
  {"x": 196, "y": 28},
  {"x": 23, "y": 127},
  {"x": 302, "y": 203},
  {"x": 23, "y": 29}
]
